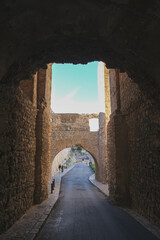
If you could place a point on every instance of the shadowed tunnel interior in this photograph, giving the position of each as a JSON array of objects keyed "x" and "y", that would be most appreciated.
[{"x": 124, "y": 35}]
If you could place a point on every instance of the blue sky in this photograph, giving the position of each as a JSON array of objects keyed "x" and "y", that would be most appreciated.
[{"x": 74, "y": 88}]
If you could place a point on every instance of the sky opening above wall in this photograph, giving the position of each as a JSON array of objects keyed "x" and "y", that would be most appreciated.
[{"x": 75, "y": 88}]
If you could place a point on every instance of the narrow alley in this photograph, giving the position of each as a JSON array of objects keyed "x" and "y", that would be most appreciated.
[{"x": 84, "y": 213}]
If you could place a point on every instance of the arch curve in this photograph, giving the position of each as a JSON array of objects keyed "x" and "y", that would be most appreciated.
[
  {"x": 80, "y": 33},
  {"x": 79, "y": 136},
  {"x": 91, "y": 151},
  {"x": 62, "y": 155}
]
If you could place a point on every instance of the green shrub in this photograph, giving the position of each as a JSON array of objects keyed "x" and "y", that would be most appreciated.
[
  {"x": 92, "y": 166},
  {"x": 68, "y": 162}
]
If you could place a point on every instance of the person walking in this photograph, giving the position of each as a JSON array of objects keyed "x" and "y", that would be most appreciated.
[{"x": 59, "y": 167}]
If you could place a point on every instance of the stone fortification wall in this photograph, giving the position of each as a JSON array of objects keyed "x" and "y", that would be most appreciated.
[
  {"x": 143, "y": 124},
  {"x": 43, "y": 134},
  {"x": 67, "y": 139},
  {"x": 133, "y": 165},
  {"x": 103, "y": 124},
  {"x": 70, "y": 130},
  {"x": 17, "y": 154},
  {"x": 102, "y": 145},
  {"x": 76, "y": 122},
  {"x": 24, "y": 145}
]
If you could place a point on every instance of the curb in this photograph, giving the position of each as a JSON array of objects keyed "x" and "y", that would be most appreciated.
[
  {"x": 102, "y": 187},
  {"x": 30, "y": 224},
  {"x": 143, "y": 221},
  {"x": 55, "y": 200}
]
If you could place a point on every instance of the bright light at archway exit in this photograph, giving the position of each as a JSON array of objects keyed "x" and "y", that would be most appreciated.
[{"x": 75, "y": 88}]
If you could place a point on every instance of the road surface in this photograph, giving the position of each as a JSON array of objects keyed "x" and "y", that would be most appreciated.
[{"x": 84, "y": 213}]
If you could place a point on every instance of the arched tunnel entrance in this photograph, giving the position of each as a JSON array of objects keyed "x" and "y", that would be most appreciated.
[
  {"x": 79, "y": 135},
  {"x": 115, "y": 146},
  {"x": 128, "y": 138},
  {"x": 69, "y": 157}
]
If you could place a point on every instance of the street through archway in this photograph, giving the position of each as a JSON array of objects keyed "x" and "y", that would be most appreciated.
[{"x": 84, "y": 213}]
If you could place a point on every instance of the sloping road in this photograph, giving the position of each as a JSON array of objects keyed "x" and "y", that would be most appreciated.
[{"x": 84, "y": 213}]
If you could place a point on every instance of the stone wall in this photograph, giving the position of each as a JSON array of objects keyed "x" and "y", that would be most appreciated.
[
  {"x": 71, "y": 130},
  {"x": 102, "y": 145},
  {"x": 133, "y": 166},
  {"x": 24, "y": 145},
  {"x": 17, "y": 153},
  {"x": 107, "y": 89},
  {"x": 29, "y": 88},
  {"x": 143, "y": 125},
  {"x": 130, "y": 165},
  {"x": 61, "y": 122},
  {"x": 117, "y": 161},
  {"x": 103, "y": 123},
  {"x": 43, "y": 133}
]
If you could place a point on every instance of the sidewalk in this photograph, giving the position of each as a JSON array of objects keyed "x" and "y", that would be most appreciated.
[
  {"x": 27, "y": 227},
  {"x": 104, "y": 188},
  {"x": 101, "y": 186}
]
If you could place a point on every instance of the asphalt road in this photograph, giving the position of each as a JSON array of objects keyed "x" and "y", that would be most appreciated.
[{"x": 84, "y": 213}]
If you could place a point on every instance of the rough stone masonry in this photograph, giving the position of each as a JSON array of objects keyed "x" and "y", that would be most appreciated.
[
  {"x": 124, "y": 35},
  {"x": 126, "y": 148},
  {"x": 72, "y": 130}
]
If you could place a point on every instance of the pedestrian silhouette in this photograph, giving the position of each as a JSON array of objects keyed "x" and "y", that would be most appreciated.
[{"x": 59, "y": 167}]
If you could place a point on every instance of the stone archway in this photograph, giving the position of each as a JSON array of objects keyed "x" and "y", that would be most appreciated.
[
  {"x": 79, "y": 32},
  {"x": 82, "y": 32},
  {"x": 72, "y": 130},
  {"x": 70, "y": 156}
]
